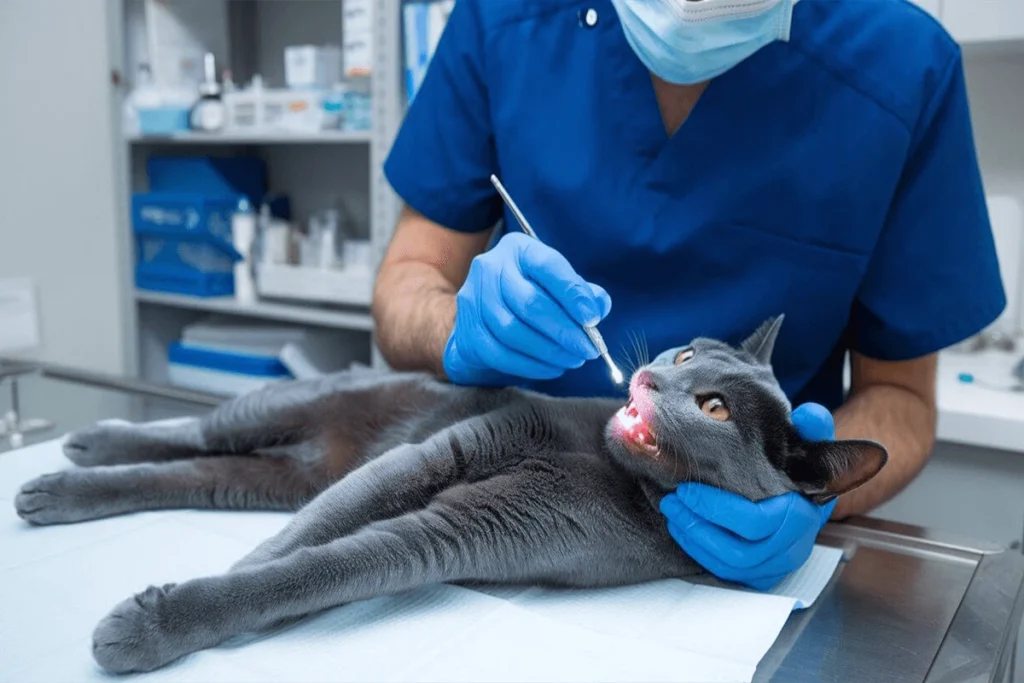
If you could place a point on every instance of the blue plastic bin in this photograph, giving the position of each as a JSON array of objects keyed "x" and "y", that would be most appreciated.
[
  {"x": 209, "y": 176},
  {"x": 183, "y": 243},
  {"x": 222, "y": 371}
]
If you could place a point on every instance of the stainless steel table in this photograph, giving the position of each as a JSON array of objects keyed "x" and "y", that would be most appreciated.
[{"x": 906, "y": 604}]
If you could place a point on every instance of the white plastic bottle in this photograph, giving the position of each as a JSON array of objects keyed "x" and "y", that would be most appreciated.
[{"x": 243, "y": 234}]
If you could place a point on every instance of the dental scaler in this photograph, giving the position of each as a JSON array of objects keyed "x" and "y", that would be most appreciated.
[{"x": 591, "y": 330}]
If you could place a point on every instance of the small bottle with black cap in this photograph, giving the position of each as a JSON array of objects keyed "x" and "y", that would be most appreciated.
[{"x": 209, "y": 113}]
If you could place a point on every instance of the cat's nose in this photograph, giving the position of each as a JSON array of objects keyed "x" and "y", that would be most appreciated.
[{"x": 645, "y": 379}]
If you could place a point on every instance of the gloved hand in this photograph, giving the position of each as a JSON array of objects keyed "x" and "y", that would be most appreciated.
[
  {"x": 519, "y": 315},
  {"x": 756, "y": 544}
]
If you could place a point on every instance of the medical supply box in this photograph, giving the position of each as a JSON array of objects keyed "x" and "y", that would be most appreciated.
[
  {"x": 228, "y": 356},
  {"x": 224, "y": 372},
  {"x": 209, "y": 175},
  {"x": 183, "y": 243},
  {"x": 183, "y": 225}
]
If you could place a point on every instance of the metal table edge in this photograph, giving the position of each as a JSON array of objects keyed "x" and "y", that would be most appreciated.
[
  {"x": 986, "y": 623},
  {"x": 987, "y": 620},
  {"x": 882, "y": 532}
]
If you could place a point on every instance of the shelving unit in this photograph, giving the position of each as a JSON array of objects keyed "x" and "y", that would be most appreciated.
[
  {"x": 313, "y": 169},
  {"x": 313, "y": 316},
  {"x": 322, "y": 138}
]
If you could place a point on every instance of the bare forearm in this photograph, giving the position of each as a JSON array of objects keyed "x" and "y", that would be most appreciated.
[
  {"x": 414, "y": 312},
  {"x": 414, "y": 297},
  {"x": 904, "y": 423}
]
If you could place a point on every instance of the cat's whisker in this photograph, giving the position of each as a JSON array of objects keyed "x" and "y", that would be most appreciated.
[
  {"x": 636, "y": 348},
  {"x": 638, "y": 351},
  {"x": 625, "y": 360},
  {"x": 631, "y": 361},
  {"x": 635, "y": 354}
]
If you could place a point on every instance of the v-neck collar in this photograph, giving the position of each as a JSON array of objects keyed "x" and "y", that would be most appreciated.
[
  {"x": 692, "y": 95},
  {"x": 641, "y": 120}
]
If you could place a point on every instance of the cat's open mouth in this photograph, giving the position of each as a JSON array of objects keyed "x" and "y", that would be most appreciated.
[{"x": 636, "y": 429}]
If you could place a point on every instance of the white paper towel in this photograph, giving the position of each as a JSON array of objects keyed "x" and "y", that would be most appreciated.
[{"x": 57, "y": 582}]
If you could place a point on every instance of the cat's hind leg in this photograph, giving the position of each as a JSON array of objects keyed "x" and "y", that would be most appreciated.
[
  {"x": 279, "y": 416},
  {"x": 116, "y": 442},
  {"x": 274, "y": 416},
  {"x": 404, "y": 479},
  {"x": 470, "y": 532},
  {"x": 211, "y": 482}
]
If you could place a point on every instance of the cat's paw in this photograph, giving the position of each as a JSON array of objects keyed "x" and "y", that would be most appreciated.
[
  {"x": 99, "y": 445},
  {"x": 53, "y": 499},
  {"x": 131, "y": 639}
]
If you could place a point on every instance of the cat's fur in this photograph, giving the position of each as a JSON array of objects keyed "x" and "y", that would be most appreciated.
[{"x": 401, "y": 481}]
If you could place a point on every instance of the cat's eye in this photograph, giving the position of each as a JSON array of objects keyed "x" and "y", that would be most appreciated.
[
  {"x": 715, "y": 408},
  {"x": 684, "y": 355}
]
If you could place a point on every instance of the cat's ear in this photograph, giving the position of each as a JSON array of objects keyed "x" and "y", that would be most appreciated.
[
  {"x": 828, "y": 469},
  {"x": 762, "y": 342}
]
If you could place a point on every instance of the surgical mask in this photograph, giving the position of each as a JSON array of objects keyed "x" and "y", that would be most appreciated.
[{"x": 692, "y": 41}]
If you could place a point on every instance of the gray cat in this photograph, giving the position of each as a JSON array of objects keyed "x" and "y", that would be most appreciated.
[{"x": 402, "y": 481}]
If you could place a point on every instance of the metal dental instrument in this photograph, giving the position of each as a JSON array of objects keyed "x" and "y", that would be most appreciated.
[{"x": 591, "y": 330}]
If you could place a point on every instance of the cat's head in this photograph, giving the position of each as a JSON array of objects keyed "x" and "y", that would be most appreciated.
[{"x": 716, "y": 414}]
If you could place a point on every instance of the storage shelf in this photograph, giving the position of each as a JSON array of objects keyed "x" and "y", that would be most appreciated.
[
  {"x": 973, "y": 414},
  {"x": 320, "y": 317},
  {"x": 330, "y": 137}
]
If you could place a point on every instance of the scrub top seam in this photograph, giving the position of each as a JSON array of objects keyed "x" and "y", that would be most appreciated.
[
  {"x": 934, "y": 101},
  {"x": 845, "y": 80},
  {"x": 426, "y": 206},
  {"x": 922, "y": 12}
]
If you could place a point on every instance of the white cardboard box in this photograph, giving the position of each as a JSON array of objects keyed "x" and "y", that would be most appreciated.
[
  {"x": 357, "y": 32},
  {"x": 312, "y": 66},
  {"x": 352, "y": 287}
]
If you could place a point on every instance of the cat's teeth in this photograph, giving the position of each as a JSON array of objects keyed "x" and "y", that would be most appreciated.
[
  {"x": 629, "y": 419},
  {"x": 635, "y": 428}
]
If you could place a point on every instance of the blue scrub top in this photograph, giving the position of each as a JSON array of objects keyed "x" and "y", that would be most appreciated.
[{"x": 832, "y": 178}]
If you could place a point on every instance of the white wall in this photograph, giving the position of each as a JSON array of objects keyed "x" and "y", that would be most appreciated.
[
  {"x": 995, "y": 83},
  {"x": 57, "y": 176}
]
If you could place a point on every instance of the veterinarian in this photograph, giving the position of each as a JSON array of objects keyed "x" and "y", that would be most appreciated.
[{"x": 704, "y": 165}]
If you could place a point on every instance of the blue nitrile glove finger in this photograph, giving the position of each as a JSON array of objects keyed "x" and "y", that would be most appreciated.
[
  {"x": 603, "y": 300},
  {"x": 728, "y": 556},
  {"x": 473, "y": 355},
  {"x": 761, "y": 577},
  {"x": 545, "y": 266},
  {"x": 727, "y": 541},
  {"x": 814, "y": 422},
  {"x": 551, "y": 331},
  {"x": 509, "y": 325},
  {"x": 756, "y": 544}
]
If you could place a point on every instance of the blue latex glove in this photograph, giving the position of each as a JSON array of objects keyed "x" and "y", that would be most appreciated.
[
  {"x": 755, "y": 544},
  {"x": 520, "y": 314}
]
